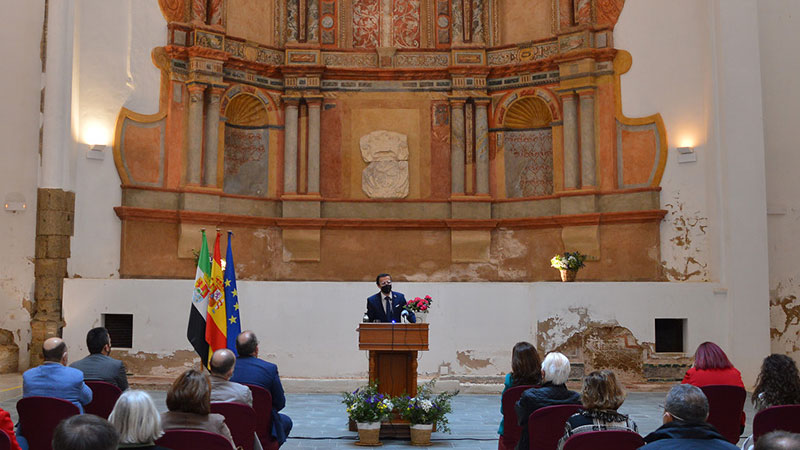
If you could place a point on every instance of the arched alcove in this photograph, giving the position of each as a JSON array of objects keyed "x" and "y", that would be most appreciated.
[
  {"x": 246, "y": 146},
  {"x": 528, "y": 148}
]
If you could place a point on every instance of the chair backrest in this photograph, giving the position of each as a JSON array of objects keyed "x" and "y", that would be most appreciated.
[
  {"x": 38, "y": 417},
  {"x": 604, "y": 440},
  {"x": 725, "y": 406},
  {"x": 784, "y": 417},
  {"x": 511, "y": 429},
  {"x": 262, "y": 404},
  {"x": 546, "y": 425},
  {"x": 104, "y": 397},
  {"x": 180, "y": 439},
  {"x": 5, "y": 441},
  {"x": 240, "y": 419}
]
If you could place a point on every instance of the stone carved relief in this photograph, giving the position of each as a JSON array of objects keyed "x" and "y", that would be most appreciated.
[{"x": 386, "y": 155}]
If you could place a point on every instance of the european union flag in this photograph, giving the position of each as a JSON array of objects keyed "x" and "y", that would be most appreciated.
[{"x": 231, "y": 299}]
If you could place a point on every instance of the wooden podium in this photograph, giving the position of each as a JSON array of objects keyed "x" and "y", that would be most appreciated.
[{"x": 393, "y": 354}]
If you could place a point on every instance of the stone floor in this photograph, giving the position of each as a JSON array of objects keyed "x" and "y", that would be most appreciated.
[{"x": 320, "y": 421}]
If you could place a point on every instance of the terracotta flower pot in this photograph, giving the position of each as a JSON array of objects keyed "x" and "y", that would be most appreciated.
[
  {"x": 568, "y": 275},
  {"x": 421, "y": 434},
  {"x": 369, "y": 433}
]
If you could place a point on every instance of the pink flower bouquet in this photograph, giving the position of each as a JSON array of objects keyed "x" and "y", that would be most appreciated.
[{"x": 419, "y": 304}]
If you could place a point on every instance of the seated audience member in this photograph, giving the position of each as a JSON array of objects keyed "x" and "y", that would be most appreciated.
[
  {"x": 601, "y": 396},
  {"x": 712, "y": 366},
  {"x": 777, "y": 384},
  {"x": 685, "y": 426},
  {"x": 222, "y": 363},
  {"x": 8, "y": 426},
  {"x": 555, "y": 372},
  {"x": 98, "y": 365},
  {"x": 778, "y": 440},
  {"x": 189, "y": 404},
  {"x": 85, "y": 432},
  {"x": 54, "y": 379},
  {"x": 136, "y": 419},
  {"x": 526, "y": 369},
  {"x": 251, "y": 370}
]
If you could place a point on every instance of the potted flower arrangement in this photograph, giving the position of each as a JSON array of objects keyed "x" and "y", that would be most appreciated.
[
  {"x": 367, "y": 407},
  {"x": 425, "y": 411},
  {"x": 568, "y": 263},
  {"x": 420, "y": 307}
]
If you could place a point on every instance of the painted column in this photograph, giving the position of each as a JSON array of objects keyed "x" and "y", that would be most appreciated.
[
  {"x": 290, "y": 145},
  {"x": 572, "y": 175},
  {"x": 588, "y": 158},
  {"x": 56, "y": 135},
  {"x": 457, "y": 146},
  {"x": 481, "y": 147},
  {"x": 215, "y": 8},
  {"x": 314, "y": 104},
  {"x": 194, "y": 153},
  {"x": 199, "y": 11},
  {"x": 211, "y": 149}
]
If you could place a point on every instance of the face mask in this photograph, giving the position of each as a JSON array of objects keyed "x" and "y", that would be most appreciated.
[{"x": 386, "y": 289}]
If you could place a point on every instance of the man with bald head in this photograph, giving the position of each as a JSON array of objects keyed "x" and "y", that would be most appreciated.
[
  {"x": 222, "y": 363},
  {"x": 251, "y": 370},
  {"x": 54, "y": 379}
]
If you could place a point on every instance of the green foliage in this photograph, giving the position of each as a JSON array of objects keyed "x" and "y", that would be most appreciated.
[
  {"x": 366, "y": 404},
  {"x": 426, "y": 407},
  {"x": 568, "y": 261}
]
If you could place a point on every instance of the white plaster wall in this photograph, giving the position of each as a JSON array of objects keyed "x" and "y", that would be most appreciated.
[
  {"x": 670, "y": 43},
  {"x": 20, "y": 37},
  {"x": 114, "y": 69},
  {"x": 309, "y": 329},
  {"x": 779, "y": 42}
]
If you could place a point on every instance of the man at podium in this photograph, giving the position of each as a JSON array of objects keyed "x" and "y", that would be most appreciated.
[{"x": 386, "y": 305}]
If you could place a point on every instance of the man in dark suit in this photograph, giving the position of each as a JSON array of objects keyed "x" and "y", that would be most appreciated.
[
  {"x": 251, "y": 370},
  {"x": 98, "y": 365},
  {"x": 386, "y": 305}
]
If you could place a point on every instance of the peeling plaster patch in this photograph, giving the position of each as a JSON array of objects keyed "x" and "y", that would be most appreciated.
[
  {"x": 155, "y": 364},
  {"x": 555, "y": 331},
  {"x": 688, "y": 236},
  {"x": 465, "y": 359},
  {"x": 785, "y": 319}
]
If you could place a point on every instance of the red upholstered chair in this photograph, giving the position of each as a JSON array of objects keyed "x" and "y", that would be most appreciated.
[
  {"x": 604, "y": 440},
  {"x": 784, "y": 417},
  {"x": 262, "y": 404},
  {"x": 38, "y": 417},
  {"x": 5, "y": 441},
  {"x": 241, "y": 420},
  {"x": 177, "y": 439},
  {"x": 546, "y": 425},
  {"x": 725, "y": 406},
  {"x": 511, "y": 430},
  {"x": 104, "y": 397}
]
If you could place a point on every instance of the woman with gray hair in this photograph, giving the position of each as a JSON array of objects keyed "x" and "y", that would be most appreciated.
[
  {"x": 555, "y": 372},
  {"x": 137, "y": 420}
]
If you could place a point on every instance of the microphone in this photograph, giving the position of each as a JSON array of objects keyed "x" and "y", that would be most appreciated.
[{"x": 404, "y": 316}]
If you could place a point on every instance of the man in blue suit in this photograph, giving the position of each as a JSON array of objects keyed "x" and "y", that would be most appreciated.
[
  {"x": 54, "y": 379},
  {"x": 251, "y": 370},
  {"x": 387, "y": 306}
]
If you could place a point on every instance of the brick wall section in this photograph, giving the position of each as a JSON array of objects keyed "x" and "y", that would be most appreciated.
[{"x": 55, "y": 212}]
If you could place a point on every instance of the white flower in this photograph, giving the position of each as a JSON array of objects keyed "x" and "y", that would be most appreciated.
[
  {"x": 426, "y": 405},
  {"x": 388, "y": 404}
]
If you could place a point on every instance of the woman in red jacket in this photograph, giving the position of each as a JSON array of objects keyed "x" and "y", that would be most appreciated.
[{"x": 712, "y": 366}]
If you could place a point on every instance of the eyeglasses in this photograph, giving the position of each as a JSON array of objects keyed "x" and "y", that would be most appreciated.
[{"x": 671, "y": 414}]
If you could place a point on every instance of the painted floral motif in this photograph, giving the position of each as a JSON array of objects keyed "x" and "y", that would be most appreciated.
[
  {"x": 405, "y": 21},
  {"x": 477, "y": 21},
  {"x": 608, "y": 11},
  {"x": 366, "y": 23},
  {"x": 313, "y": 21},
  {"x": 529, "y": 163},
  {"x": 215, "y": 12},
  {"x": 583, "y": 11},
  {"x": 292, "y": 16}
]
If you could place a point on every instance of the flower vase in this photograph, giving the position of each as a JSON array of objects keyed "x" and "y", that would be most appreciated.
[
  {"x": 422, "y": 316},
  {"x": 421, "y": 434},
  {"x": 568, "y": 275},
  {"x": 369, "y": 433}
]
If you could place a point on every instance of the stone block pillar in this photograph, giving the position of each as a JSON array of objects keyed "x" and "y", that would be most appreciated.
[
  {"x": 290, "y": 145},
  {"x": 194, "y": 139},
  {"x": 572, "y": 174},
  {"x": 210, "y": 158},
  {"x": 457, "y": 144},
  {"x": 588, "y": 158},
  {"x": 55, "y": 211},
  {"x": 481, "y": 147}
]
